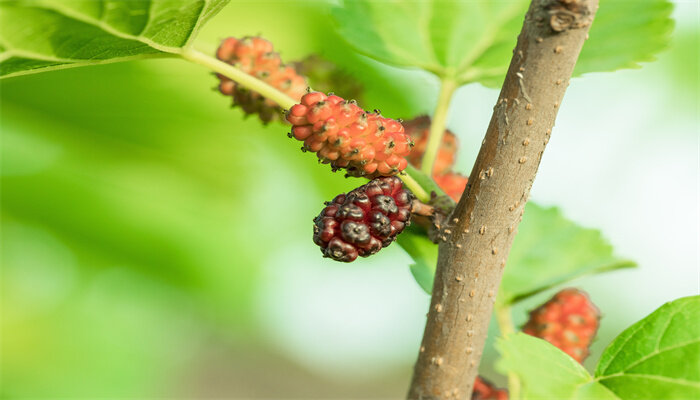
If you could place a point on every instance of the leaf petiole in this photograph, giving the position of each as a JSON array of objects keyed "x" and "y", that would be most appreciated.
[
  {"x": 505, "y": 325},
  {"x": 437, "y": 125}
]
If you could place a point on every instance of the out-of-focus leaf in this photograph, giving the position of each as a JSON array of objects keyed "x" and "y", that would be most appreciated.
[
  {"x": 114, "y": 330},
  {"x": 624, "y": 34},
  {"x": 42, "y": 35},
  {"x": 472, "y": 41},
  {"x": 658, "y": 357},
  {"x": 415, "y": 242},
  {"x": 550, "y": 250},
  {"x": 547, "y": 372},
  {"x": 455, "y": 39},
  {"x": 326, "y": 76}
]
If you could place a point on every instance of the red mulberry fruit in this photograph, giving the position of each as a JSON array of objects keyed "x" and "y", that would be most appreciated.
[
  {"x": 254, "y": 56},
  {"x": 569, "y": 321},
  {"x": 485, "y": 390},
  {"x": 346, "y": 136},
  {"x": 419, "y": 130},
  {"x": 363, "y": 221},
  {"x": 452, "y": 183}
]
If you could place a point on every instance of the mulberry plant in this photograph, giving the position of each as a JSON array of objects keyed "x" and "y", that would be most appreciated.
[{"x": 459, "y": 230}]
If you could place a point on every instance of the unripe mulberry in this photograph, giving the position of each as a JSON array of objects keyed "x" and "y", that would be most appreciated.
[
  {"x": 485, "y": 390},
  {"x": 569, "y": 321},
  {"x": 452, "y": 183},
  {"x": 419, "y": 131},
  {"x": 346, "y": 136},
  {"x": 254, "y": 56},
  {"x": 363, "y": 221}
]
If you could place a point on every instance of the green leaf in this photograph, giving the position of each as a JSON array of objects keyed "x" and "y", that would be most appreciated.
[
  {"x": 547, "y": 372},
  {"x": 625, "y": 33},
  {"x": 550, "y": 250},
  {"x": 449, "y": 38},
  {"x": 658, "y": 357},
  {"x": 472, "y": 41},
  {"x": 424, "y": 252},
  {"x": 43, "y": 35}
]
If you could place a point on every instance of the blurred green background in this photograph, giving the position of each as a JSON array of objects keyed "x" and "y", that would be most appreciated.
[{"x": 156, "y": 243}]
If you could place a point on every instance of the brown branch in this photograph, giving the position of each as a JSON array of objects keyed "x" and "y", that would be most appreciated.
[{"x": 483, "y": 224}]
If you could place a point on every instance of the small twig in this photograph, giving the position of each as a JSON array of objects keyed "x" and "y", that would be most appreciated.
[{"x": 420, "y": 208}]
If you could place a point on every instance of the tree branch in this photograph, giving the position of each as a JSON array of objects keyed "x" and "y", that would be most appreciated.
[{"x": 484, "y": 223}]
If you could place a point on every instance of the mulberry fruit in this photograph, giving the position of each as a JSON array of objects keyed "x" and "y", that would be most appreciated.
[
  {"x": 346, "y": 136},
  {"x": 254, "y": 56},
  {"x": 363, "y": 221},
  {"x": 485, "y": 390},
  {"x": 452, "y": 183},
  {"x": 569, "y": 321},
  {"x": 419, "y": 131}
]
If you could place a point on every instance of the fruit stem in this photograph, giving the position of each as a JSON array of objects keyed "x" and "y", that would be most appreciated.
[
  {"x": 247, "y": 81},
  {"x": 505, "y": 325},
  {"x": 414, "y": 187},
  {"x": 420, "y": 208},
  {"x": 437, "y": 126}
]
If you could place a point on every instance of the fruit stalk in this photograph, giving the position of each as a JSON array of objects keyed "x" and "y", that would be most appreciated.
[
  {"x": 471, "y": 260},
  {"x": 235, "y": 74}
]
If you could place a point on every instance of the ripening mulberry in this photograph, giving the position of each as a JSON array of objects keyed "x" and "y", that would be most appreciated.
[
  {"x": 346, "y": 136},
  {"x": 485, "y": 390},
  {"x": 419, "y": 131},
  {"x": 254, "y": 56},
  {"x": 452, "y": 183},
  {"x": 363, "y": 221},
  {"x": 569, "y": 321}
]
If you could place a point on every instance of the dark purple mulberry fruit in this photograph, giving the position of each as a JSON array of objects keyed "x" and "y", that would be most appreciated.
[{"x": 363, "y": 221}]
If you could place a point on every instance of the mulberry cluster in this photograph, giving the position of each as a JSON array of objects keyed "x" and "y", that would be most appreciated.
[
  {"x": 419, "y": 131},
  {"x": 347, "y": 137},
  {"x": 255, "y": 56},
  {"x": 363, "y": 221},
  {"x": 485, "y": 390},
  {"x": 450, "y": 182},
  {"x": 569, "y": 321}
]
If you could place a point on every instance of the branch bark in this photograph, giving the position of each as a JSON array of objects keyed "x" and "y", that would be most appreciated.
[{"x": 484, "y": 223}]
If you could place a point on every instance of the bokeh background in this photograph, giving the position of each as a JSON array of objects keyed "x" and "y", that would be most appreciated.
[{"x": 156, "y": 243}]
